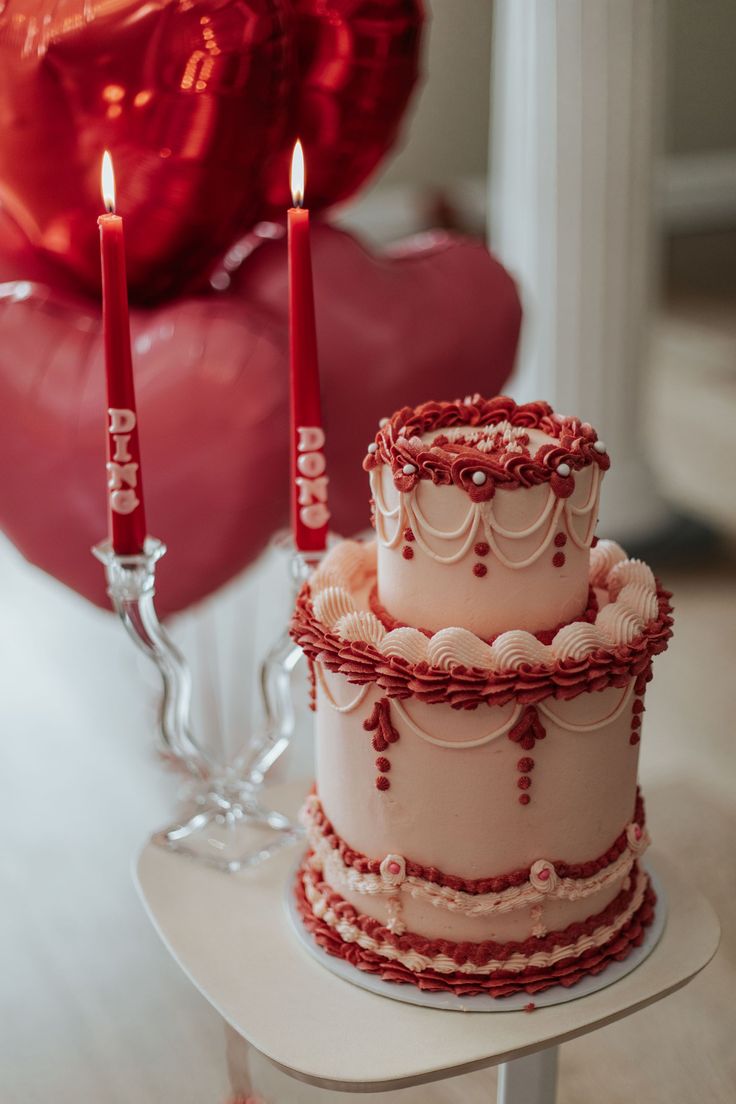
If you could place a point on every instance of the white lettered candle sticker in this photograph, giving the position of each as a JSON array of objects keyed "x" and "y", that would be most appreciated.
[
  {"x": 311, "y": 481},
  {"x": 122, "y": 474}
]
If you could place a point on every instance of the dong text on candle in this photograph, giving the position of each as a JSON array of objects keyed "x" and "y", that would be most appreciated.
[
  {"x": 312, "y": 481},
  {"x": 309, "y": 482}
]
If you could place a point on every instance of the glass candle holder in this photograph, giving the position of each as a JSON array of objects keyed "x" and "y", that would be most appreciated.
[{"x": 224, "y": 821}]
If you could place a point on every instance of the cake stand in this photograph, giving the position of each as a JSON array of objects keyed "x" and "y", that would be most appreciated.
[{"x": 232, "y": 937}]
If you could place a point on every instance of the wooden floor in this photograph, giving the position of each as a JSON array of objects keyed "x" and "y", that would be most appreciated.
[{"x": 91, "y": 1007}]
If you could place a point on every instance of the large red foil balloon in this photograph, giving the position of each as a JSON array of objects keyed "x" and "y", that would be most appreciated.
[
  {"x": 439, "y": 318},
  {"x": 358, "y": 64},
  {"x": 198, "y": 102}
]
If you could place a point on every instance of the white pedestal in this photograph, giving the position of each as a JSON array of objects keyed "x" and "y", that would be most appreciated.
[
  {"x": 231, "y": 936},
  {"x": 530, "y": 1080},
  {"x": 572, "y": 153}
]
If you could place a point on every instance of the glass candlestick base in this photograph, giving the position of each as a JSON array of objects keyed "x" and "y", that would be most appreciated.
[
  {"x": 224, "y": 825},
  {"x": 224, "y": 822},
  {"x": 131, "y": 587}
]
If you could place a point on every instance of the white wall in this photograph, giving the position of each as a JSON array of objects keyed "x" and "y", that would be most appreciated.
[{"x": 447, "y": 133}]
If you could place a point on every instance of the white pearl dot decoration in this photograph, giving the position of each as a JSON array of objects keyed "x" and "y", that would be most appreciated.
[
  {"x": 409, "y": 469},
  {"x": 383, "y": 422},
  {"x": 373, "y": 447},
  {"x": 479, "y": 478},
  {"x": 599, "y": 446},
  {"x": 563, "y": 470}
]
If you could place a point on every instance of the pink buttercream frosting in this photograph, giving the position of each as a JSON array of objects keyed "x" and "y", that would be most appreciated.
[
  {"x": 454, "y": 847},
  {"x": 457, "y": 666},
  {"x": 485, "y": 513}
]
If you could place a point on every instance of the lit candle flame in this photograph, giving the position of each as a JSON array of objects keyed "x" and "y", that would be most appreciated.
[
  {"x": 108, "y": 183},
  {"x": 298, "y": 174}
]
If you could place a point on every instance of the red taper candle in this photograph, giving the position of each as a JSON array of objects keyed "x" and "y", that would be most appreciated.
[
  {"x": 309, "y": 513},
  {"x": 126, "y": 512}
]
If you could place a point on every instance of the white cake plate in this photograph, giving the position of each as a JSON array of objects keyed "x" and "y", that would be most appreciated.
[{"x": 516, "y": 1002}]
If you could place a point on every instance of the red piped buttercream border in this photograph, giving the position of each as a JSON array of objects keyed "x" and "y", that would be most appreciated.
[
  {"x": 466, "y": 688},
  {"x": 398, "y": 443},
  {"x": 476, "y": 886},
  {"x": 501, "y": 983}
]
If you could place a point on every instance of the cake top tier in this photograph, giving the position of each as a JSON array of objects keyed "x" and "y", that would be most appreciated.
[{"x": 480, "y": 444}]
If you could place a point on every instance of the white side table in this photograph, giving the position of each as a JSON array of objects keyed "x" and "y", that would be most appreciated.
[{"x": 232, "y": 938}]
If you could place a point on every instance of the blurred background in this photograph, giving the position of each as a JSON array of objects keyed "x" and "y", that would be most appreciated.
[
  {"x": 92, "y": 1006},
  {"x": 688, "y": 352}
]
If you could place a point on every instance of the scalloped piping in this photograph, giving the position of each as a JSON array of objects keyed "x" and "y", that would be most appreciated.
[
  {"x": 444, "y": 964},
  {"x": 491, "y": 530},
  {"x": 590, "y": 508},
  {"x": 382, "y": 513},
  {"x": 480, "y": 516},
  {"x": 457, "y": 745},
  {"x": 592, "y": 727},
  {"x": 330, "y": 698},
  {"x": 519, "y": 534},
  {"x": 419, "y": 526},
  {"x": 329, "y": 860}
]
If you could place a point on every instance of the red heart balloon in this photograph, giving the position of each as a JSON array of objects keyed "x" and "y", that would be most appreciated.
[
  {"x": 211, "y": 372},
  {"x": 190, "y": 97},
  {"x": 358, "y": 63},
  {"x": 198, "y": 102}
]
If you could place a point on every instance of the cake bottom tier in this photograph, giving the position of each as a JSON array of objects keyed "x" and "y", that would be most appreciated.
[{"x": 495, "y": 969}]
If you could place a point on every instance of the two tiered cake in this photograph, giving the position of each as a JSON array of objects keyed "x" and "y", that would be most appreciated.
[{"x": 479, "y": 675}]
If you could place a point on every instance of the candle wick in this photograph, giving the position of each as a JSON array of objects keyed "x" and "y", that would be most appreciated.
[{"x": 109, "y": 207}]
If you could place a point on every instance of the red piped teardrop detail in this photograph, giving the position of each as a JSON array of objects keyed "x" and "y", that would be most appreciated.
[
  {"x": 384, "y": 733},
  {"x": 528, "y": 729},
  {"x": 380, "y": 720}
]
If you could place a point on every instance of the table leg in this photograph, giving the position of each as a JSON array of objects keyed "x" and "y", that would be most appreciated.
[
  {"x": 529, "y": 1080},
  {"x": 237, "y": 1064}
]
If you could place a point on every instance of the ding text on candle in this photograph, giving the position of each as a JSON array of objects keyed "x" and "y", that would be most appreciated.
[{"x": 122, "y": 471}]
